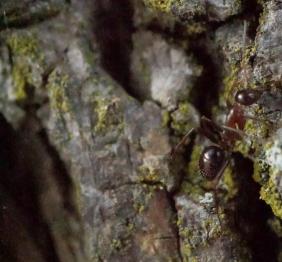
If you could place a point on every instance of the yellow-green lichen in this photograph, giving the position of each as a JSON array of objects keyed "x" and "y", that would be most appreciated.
[
  {"x": 191, "y": 240},
  {"x": 230, "y": 182},
  {"x": 183, "y": 119},
  {"x": 194, "y": 28},
  {"x": 165, "y": 118},
  {"x": 142, "y": 199},
  {"x": 27, "y": 61},
  {"x": 116, "y": 244},
  {"x": 109, "y": 115},
  {"x": 149, "y": 174},
  {"x": 237, "y": 74},
  {"x": 57, "y": 91},
  {"x": 19, "y": 76},
  {"x": 269, "y": 193},
  {"x": 231, "y": 82},
  {"x": 161, "y": 5},
  {"x": 261, "y": 171},
  {"x": 24, "y": 45}
]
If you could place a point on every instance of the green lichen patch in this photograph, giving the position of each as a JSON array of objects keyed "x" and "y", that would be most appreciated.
[
  {"x": 24, "y": 45},
  {"x": 261, "y": 171},
  {"x": 150, "y": 174},
  {"x": 270, "y": 194},
  {"x": 237, "y": 73},
  {"x": 19, "y": 76},
  {"x": 184, "y": 118},
  {"x": 230, "y": 183},
  {"x": 194, "y": 184},
  {"x": 27, "y": 63},
  {"x": 57, "y": 85},
  {"x": 165, "y": 118},
  {"x": 143, "y": 197},
  {"x": 109, "y": 115},
  {"x": 160, "y": 5},
  {"x": 192, "y": 237},
  {"x": 195, "y": 28}
]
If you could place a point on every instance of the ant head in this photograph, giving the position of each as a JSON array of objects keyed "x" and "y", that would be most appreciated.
[
  {"x": 212, "y": 161},
  {"x": 247, "y": 97}
]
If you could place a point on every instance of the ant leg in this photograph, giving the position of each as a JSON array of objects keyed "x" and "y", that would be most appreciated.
[
  {"x": 234, "y": 130},
  {"x": 182, "y": 142}
]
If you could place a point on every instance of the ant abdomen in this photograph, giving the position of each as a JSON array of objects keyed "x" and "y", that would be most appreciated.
[{"x": 211, "y": 162}]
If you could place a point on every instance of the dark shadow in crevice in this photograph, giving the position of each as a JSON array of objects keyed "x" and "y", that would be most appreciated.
[
  {"x": 20, "y": 213},
  {"x": 251, "y": 214},
  {"x": 170, "y": 198},
  {"x": 204, "y": 95},
  {"x": 113, "y": 28},
  {"x": 61, "y": 175}
]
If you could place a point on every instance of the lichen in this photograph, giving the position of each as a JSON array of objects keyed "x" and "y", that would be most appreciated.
[
  {"x": 116, "y": 244},
  {"x": 261, "y": 171},
  {"x": 194, "y": 183},
  {"x": 24, "y": 45},
  {"x": 109, "y": 114},
  {"x": 230, "y": 82},
  {"x": 149, "y": 174},
  {"x": 269, "y": 193},
  {"x": 19, "y": 76},
  {"x": 195, "y": 28},
  {"x": 57, "y": 84},
  {"x": 165, "y": 118},
  {"x": 142, "y": 198},
  {"x": 161, "y": 5},
  {"x": 237, "y": 77},
  {"x": 27, "y": 62},
  {"x": 230, "y": 183},
  {"x": 183, "y": 119}
]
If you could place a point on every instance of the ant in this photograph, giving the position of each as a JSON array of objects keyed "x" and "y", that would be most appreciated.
[{"x": 214, "y": 159}]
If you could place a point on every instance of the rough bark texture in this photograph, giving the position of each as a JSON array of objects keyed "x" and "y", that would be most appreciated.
[{"x": 94, "y": 94}]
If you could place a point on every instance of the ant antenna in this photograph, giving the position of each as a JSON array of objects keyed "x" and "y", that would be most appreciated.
[{"x": 183, "y": 141}]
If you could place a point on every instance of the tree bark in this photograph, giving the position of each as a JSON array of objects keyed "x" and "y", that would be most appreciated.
[{"x": 96, "y": 94}]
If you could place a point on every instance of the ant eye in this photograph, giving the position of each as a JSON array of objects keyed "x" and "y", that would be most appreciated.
[
  {"x": 247, "y": 97},
  {"x": 211, "y": 161}
]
